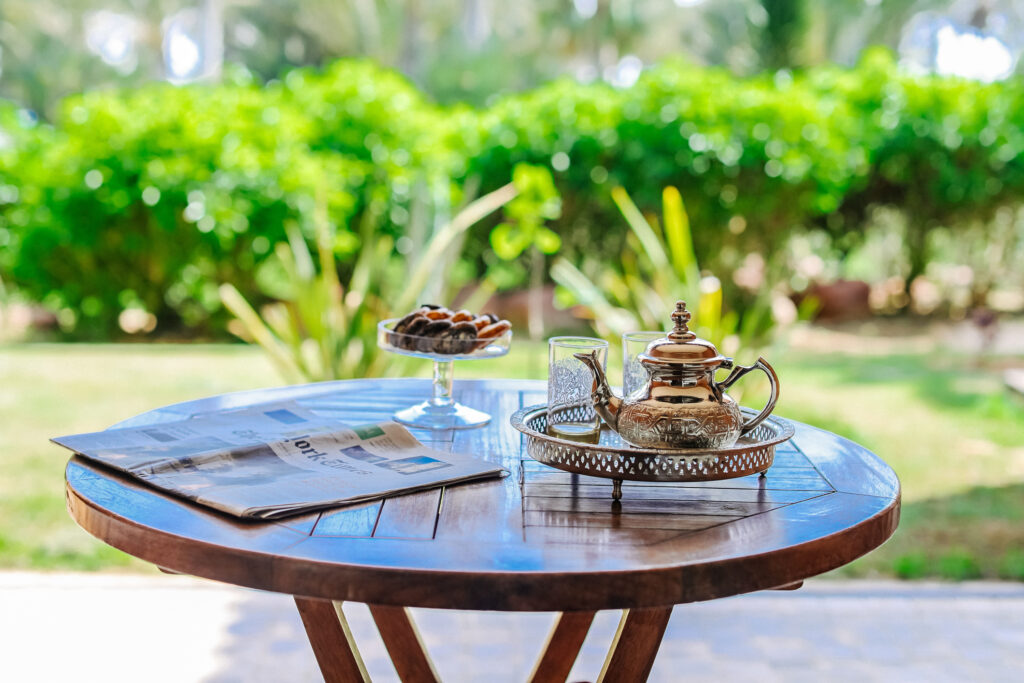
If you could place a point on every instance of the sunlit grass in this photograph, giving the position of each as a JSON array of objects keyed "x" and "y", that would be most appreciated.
[
  {"x": 49, "y": 390},
  {"x": 950, "y": 431}
]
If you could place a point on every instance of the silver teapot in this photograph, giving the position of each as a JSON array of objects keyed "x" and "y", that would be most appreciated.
[{"x": 681, "y": 406}]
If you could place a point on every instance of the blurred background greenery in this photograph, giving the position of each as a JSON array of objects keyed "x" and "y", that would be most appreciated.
[
  {"x": 291, "y": 172},
  {"x": 152, "y": 151}
]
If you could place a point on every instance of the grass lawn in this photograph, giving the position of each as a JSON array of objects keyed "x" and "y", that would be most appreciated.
[{"x": 953, "y": 435}]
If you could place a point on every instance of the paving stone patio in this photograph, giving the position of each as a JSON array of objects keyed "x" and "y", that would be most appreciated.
[{"x": 115, "y": 628}]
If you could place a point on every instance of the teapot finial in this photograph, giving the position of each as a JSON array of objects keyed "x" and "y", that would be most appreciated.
[{"x": 680, "y": 317}]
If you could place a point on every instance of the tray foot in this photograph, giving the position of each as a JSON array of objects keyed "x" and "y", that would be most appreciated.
[{"x": 616, "y": 489}]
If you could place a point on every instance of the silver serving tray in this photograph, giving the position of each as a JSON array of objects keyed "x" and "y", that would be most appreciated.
[{"x": 615, "y": 459}]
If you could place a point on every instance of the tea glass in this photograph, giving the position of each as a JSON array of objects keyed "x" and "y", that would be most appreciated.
[
  {"x": 634, "y": 376},
  {"x": 571, "y": 412}
]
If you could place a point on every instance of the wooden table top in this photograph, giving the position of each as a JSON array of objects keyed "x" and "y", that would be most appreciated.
[{"x": 538, "y": 540}]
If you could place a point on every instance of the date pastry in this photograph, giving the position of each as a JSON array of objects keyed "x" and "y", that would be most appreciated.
[
  {"x": 439, "y": 314},
  {"x": 481, "y": 321},
  {"x": 492, "y": 331},
  {"x": 438, "y": 329}
]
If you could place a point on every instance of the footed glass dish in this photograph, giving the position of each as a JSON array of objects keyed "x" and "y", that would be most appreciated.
[{"x": 441, "y": 411}]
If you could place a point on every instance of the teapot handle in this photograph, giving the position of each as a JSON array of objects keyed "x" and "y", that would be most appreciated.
[{"x": 773, "y": 380}]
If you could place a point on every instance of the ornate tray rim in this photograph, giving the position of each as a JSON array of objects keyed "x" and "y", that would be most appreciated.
[
  {"x": 783, "y": 428},
  {"x": 626, "y": 458}
]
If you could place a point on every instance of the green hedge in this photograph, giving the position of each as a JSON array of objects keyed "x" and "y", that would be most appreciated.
[
  {"x": 150, "y": 198},
  {"x": 774, "y": 155},
  {"x": 947, "y": 151}
]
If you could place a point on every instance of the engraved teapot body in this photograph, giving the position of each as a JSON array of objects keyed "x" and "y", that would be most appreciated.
[{"x": 681, "y": 405}]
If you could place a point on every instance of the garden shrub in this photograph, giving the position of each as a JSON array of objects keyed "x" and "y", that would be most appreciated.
[
  {"x": 151, "y": 198},
  {"x": 19, "y": 138},
  {"x": 766, "y": 150},
  {"x": 947, "y": 151}
]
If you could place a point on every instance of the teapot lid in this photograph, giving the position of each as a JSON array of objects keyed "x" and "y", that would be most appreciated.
[{"x": 681, "y": 346}]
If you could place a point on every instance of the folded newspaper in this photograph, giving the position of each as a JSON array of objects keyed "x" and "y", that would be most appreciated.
[{"x": 275, "y": 460}]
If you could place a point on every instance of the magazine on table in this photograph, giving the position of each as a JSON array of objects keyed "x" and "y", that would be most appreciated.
[{"x": 274, "y": 460}]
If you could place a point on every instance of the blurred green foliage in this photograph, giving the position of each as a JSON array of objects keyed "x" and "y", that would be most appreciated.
[
  {"x": 318, "y": 327},
  {"x": 658, "y": 268},
  {"x": 536, "y": 203},
  {"x": 150, "y": 198},
  {"x": 947, "y": 151}
]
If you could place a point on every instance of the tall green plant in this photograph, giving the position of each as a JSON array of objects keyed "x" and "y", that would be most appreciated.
[
  {"x": 659, "y": 267},
  {"x": 321, "y": 328},
  {"x": 538, "y": 201}
]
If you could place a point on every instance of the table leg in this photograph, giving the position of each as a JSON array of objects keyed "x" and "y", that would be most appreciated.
[
  {"x": 403, "y": 643},
  {"x": 629, "y": 660},
  {"x": 563, "y": 647},
  {"x": 331, "y": 638},
  {"x": 635, "y": 645}
]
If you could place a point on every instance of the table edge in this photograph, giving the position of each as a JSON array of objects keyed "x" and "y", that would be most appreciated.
[
  {"x": 531, "y": 591},
  {"x": 460, "y": 589}
]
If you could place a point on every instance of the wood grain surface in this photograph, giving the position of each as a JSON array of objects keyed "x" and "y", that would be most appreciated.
[{"x": 537, "y": 540}]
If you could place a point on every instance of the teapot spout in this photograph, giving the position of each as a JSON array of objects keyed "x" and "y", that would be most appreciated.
[{"x": 606, "y": 403}]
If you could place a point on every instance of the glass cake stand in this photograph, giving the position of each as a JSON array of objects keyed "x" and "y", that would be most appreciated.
[{"x": 441, "y": 411}]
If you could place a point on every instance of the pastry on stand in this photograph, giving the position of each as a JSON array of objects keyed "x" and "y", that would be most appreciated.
[{"x": 444, "y": 336}]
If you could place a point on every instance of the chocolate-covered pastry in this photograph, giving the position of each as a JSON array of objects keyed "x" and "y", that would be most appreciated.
[
  {"x": 413, "y": 329},
  {"x": 403, "y": 324},
  {"x": 395, "y": 338},
  {"x": 416, "y": 326},
  {"x": 428, "y": 341},
  {"x": 460, "y": 338}
]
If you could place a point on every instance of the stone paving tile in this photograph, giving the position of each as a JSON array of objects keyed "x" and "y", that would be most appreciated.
[{"x": 114, "y": 628}]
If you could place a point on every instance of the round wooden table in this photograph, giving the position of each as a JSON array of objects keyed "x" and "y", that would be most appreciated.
[{"x": 538, "y": 540}]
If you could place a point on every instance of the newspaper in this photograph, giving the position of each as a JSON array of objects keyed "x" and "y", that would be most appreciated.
[{"x": 275, "y": 460}]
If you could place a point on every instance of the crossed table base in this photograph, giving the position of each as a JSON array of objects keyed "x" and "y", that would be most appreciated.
[
  {"x": 539, "y": 540},
  {"x": 630, "y": 657}
]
